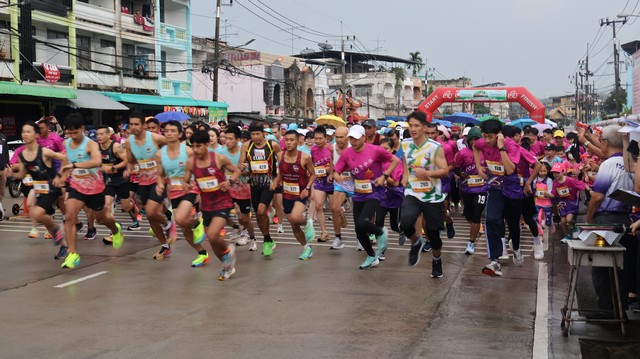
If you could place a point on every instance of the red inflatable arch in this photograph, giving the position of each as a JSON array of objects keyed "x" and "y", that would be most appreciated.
[{"x": 489, "y": 94}]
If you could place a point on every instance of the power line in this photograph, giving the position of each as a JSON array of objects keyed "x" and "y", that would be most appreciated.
[{"x": 305, "y": 28}]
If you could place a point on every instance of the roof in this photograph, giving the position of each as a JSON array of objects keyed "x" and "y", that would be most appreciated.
[
  {"x": 95, "y": 100},
  {"x": 354, "y": 57},
  {"x": 12, "y": 88},
  {"x": 162, "y": 100},
  {"x": 631, "y": 47}
]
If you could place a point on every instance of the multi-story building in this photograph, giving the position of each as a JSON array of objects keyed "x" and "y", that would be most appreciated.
[
  {"x": 561, "y": 107},
  {"x": 136, "y": 52}
]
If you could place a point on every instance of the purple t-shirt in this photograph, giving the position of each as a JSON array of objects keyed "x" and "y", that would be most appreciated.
[
  {"x": 393, "y": 195},
  {"x": 465, "y": 162},
  {"x": 321, "y": 158},
  {"x": 509, "y": 185},
  {"x": 365, "y": 167}
]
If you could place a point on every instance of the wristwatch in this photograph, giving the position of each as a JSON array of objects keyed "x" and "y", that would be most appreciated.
[
  {"x": 385, "y": 175},
  {"x": 502, "y": 149}
]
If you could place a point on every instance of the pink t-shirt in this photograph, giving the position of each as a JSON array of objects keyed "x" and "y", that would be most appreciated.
[
  {"x": 52, "y": 142},
  {"x": 492, "y": 155},
  {"x": 569, "y": 189},
  {"x": 365, "y": 167},
  {"x": 538, "y": 148}
]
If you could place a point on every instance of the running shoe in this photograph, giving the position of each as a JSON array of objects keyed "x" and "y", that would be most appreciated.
[
  {"x": 505, "y": 251},
  {"x": 139, "y": 216},
  {"x": 280, "y": 228},
  {"x": 170, "y": 231},
  {"x": 492, "y": 269},
  {"x": 359, "y": 246},
  {"x": 372, "y": 239},
  {"x": 71, "y": 261},
  {"x": 91, "y": 234},
  {"x": 223, "y": 232},
  {"x": 436, "y": 268},
  {"x": 62, "y": 253},
  {"x": 337, "y": 244},
  {"x": 271, "y": 215},
  {"x": 108, "y": 240},
  {"x": 243, "y": 239},
  {"x": 414, "y": 253},
  {"x": 565, "y": 239},
  {"x": 276, "y": 220},
  {"x": 402, "y": 239},
  {"x": 48, "y": 235},
  {"x": 343, "y": 220},
  {"x": 382, "y": 257},
  {"x": 370, "y": 262},
  {"x": 324, "y": 237},
  {"x": 58, "y": 236},
  {"x": 307, "y": 253},
  {"x": 200, "y": 260},
  {"x": 518, "y": 258},
  {"x": 34, "y": 233},
  {"x": 117, "y": 237},
  {"x": 471, "y": 248},
  {"x": 267, "y": 248},
  {"x": 451, "y": 232},
  {"x": 142, "y": 211},
  {"x": 164, "y": 252},
  {"x": 538, "y": 250},
  {"x": 135, "y": 226},
  {"x": 226, "y": 274},
  {"x": 79, "y": 226},
  {"x": 229, "y": 258},
  {"x": 382, "y": 241},
  {"x": 253, "y": 246},
  {"x": 481, "y": 229},
  {"x": 427, "y": 246},
  {"x": 198, "y": 233},
  {"x": 309, "y": 231}
]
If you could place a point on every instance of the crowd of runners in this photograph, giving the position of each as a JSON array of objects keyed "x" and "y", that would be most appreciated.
[{"x": 193, "y": 178}]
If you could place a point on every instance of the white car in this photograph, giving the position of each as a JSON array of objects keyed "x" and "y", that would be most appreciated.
[{"x": 13, "y": 145}]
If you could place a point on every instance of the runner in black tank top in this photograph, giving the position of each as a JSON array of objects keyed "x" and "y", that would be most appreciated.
[{"x": 296, "y": 175}]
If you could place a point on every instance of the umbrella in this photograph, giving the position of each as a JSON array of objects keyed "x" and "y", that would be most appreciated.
[
  {"x": 444, "y": 123},
  {"x": 541, "y": 126},
  {"x": 521, "y": 122},
  {"x": 462, "y": 117},
  {"x": 549, "y": 122},
  {"x": 172, "y": 115},
  {"x": 395, "y": 124},
  {"x": 332, "y": 120},
  {"x": 485, "y": 118}
]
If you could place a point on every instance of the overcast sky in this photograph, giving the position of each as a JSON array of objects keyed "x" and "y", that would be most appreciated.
[{"x": 535, "y": 44}]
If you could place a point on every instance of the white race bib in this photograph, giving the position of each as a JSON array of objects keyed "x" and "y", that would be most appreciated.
[
  {"x": 147, "y": 165},
  {"x": 259, "y": 167},
  {"x": 80, "y": 173},
  {"x": 291, "y": 188},
  {"x": 208, "y": 184},
  {"x": 475, "y": 181},
  {"x": 496, "y": 168},
  {"x": 41, "y": 187},
  {"x": 363, "y": 186},
  {"x": 540, "y": 194},
  {"x": 420, "y": 186},
  {"x": 176, "y": 182},
  {"x": 321, "y": 171},
  {"x": 346, "y": 175},
  {"x": 27, "y": 180},
  {"x": 563, "y": 191}
]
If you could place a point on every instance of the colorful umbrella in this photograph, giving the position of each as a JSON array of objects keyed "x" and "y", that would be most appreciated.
[
  {"x": 330, "y": 120},
  {"x": 462, "y": 117},
  {"x": 521, "y": 122},
  {"x": 444, "y": 123},
  {"x": 172, "y": 115}
]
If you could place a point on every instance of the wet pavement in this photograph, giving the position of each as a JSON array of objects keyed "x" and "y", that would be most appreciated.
[{"x": 129, "y": 305}]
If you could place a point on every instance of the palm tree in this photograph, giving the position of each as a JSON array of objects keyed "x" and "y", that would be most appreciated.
[{"x": 419, "y": 63}]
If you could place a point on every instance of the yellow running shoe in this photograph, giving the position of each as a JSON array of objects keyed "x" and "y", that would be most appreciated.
[
  {"x": 72, "y": 260},
  {"x": 117, "y": 237},
  {"x": 200, "y": 260},
  {"x": 198, "y": 233}
]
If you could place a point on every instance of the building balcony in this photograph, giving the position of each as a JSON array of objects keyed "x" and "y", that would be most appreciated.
[
  {"x": 94, "y": 17},
  {"x": 111, "y": 80},
  {"x": 174, "y": 36},
  {"x": 170, "y": 87}
]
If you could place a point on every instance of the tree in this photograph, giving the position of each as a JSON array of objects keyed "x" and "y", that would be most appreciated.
[
  {"x": 480, "y": 108},
  {"x": 609, "y": 105},
  {"x": 400, "y": 76},
  {"x": 418, "y": 65}
]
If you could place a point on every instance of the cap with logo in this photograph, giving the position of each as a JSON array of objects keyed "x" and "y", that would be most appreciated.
[
  {"x": 558, "y": 167},
  {"x": 356, "y": 131},
  {"x": 369, "y": 123}
]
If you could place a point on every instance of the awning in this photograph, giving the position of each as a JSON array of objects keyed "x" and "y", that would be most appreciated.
[
  {"x": 12, "y": 88},
  {"x": 94, "y": 100},
  {"x": 162, "y": 100}
]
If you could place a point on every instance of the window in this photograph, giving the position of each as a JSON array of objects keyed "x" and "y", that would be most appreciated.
[
  {"x": 83, "y": 45},
  {"x": 107, "y": 43},
  {"x": 163, "y": 63},
  {"x": 162, "y": 8},
  {"x": 362, "y": 91},
  {"x": 53, "y": 34},
  {"x": 128, "y": 53}
]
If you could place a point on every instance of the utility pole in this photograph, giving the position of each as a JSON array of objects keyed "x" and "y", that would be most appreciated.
[
  {"x": 616, "y": 58},
  {"x": 216, "y": 52},
  {"x": 344, "y": 83}
]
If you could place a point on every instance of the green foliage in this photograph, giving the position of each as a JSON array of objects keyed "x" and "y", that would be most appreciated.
[{"x": 415, "y": 68}]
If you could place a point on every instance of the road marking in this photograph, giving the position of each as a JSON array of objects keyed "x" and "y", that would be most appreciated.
[
  {"x": 80, "y": 279},
  {"x": 541, "y": 325}
]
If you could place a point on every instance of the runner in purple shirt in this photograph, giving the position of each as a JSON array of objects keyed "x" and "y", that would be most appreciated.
[{"x": 365, "y": 163}]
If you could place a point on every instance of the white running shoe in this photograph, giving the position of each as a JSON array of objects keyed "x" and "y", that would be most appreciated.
[
  {"x": 359, "y": 246},
  {"x": 505, "y": 251},
  {"x": 337, "y": 244},
  {"x": 253, "y": 246}
]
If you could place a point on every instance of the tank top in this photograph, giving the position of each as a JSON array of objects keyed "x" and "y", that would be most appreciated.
[
  {"x": 262, "y": 165},
  {"x": 422, "y": 156},
  {"x": 109, "y": 157},
  {"x": 208, "y": 180},
  {"x": 294, "y": 177},
  {"x": 145, "y": 155},
  {"x": 87, "y": 181},
  {"x": 40, "y": 175},
  {"x": 240, "y": 189},
  {"x": 174, "y": 170},
  {"x": 348, "y": 183}
]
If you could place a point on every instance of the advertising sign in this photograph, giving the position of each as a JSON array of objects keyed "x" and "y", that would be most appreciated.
[
  {"x": 51, "y": 73},
  {"x": 481, "y": 95}
]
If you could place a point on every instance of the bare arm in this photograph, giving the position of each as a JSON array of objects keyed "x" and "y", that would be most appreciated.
[{"x": 594, "y": 203}]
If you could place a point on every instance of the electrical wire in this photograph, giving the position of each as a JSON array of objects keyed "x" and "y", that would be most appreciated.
[{"x": 305, "y": 28}]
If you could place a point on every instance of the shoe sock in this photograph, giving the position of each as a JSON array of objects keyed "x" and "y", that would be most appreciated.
[
  {"x": 307, "y": 246},
  {"x": 252, "y": 238},
  {"x": 165, "y": 246},
  {"x": 437, "y": 259},
  {"x": 267, "y": 238},
  {"x": 203, "y": 252}
]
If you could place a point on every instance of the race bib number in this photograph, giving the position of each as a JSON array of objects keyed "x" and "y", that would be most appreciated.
[
  {"x": 421, "y": 186},
  {"x": 346, "y": 175},
  {"x": 259, "y": 167},
  {"x": 228, "y": 175},
  {"x": 176, "y": 182},
  {"x": 147, "y": 165},
  {"x": 291, "y": 188},
  {"x": 496, "y": 168},
  {"x": 475, "y": 181},
  {"x": 363, "y": 186},
  {"x": 540, "y": 194},
  {"x": 563, "y": 192},
  {"x": 136, "y": 170},
  {"x": 208, "y": 184},
  {"x": 321, "y": 171},
  {"x": 27, "y": 180},
  {"x": 41, "y": 187},
  {"x": 80, "y": 173}
]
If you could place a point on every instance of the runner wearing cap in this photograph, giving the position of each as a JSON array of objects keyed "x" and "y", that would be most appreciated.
[
  {"x": 364, "y": 161},
  {"x": 424, "y": 168},
  {"x": 371, "y": 135},
  {"x": 565, "y": 192},
  {"x": 550, "y": 156},
  {"x": 561, "y": 142}
]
